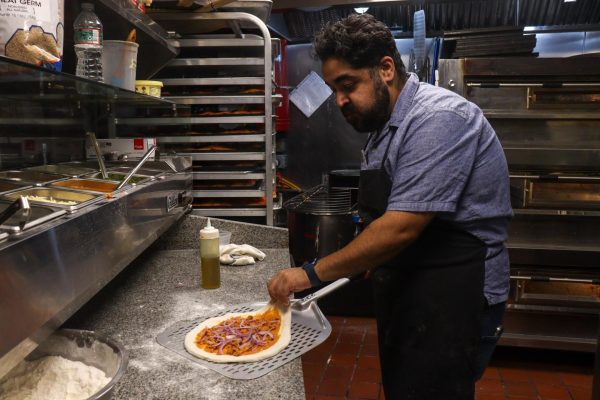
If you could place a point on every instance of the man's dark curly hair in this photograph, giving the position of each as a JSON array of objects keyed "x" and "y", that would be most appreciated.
[{"x": 360, "y": 40}]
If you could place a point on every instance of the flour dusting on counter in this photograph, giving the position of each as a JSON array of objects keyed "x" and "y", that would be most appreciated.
[{"x": 51, "y": 378}]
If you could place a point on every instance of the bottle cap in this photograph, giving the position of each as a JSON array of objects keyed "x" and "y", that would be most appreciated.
[
  {"x": 87, "y": 6},
  {"x": 209, "y": 232}
]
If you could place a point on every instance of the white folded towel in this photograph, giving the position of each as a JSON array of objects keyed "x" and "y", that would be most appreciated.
[{"x": 240, "y": 254}]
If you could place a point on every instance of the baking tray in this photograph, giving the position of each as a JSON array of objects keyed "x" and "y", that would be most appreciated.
[
  {"x": 82, "y": 199},
  {"x": 39, "y": 214},
  {"x": 63, "y": 169},
  {"x": 33, "y": 177},
  {"x": 309, "y": 329}
]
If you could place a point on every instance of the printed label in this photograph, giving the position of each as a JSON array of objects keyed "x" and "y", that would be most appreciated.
[
  {"x": 38, "y": 10},
  {"x": 88, "y": 36}
]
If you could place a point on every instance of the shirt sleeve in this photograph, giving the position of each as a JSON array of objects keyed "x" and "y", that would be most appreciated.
[{"x": 433, "y": 163}]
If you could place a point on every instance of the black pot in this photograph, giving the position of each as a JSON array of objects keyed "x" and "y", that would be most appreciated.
[
  {"x": 315, "y": 236},
  {"x": 317, "y": 228}
]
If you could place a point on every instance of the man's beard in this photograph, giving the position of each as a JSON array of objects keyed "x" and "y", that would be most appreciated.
[{"x": 374, "y": 117}]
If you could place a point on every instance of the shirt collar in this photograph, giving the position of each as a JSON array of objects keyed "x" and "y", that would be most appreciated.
[{"x": 404, "y": 100}]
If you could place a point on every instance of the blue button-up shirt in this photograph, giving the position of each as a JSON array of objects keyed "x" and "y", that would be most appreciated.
[{"x": 445, "y": 157}]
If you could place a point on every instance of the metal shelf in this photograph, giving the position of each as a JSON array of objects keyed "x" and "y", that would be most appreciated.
[
  {"x": 41, "y": 121},
  {"x": 190, "y": 120},
  {"x": 241, "y": 57},
  {"x": 223, "y": 175},
  {"x": 213, "y": 139},
  {"x": 253, "y": 81},
  {"x": 230, "y": 212},
  {"x": 237, "y": 99},
  {"x": 224, "y": 193},
  {"x": 223, "y": 61},
  {"x": 218, "y": 42},
  {"x": 248, "y": 156}
]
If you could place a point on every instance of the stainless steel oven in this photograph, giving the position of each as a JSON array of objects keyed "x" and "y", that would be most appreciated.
[{"x": 546, "y": 113}]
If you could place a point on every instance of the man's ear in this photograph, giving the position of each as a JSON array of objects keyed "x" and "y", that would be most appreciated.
[{"x": 387, "y": 69}]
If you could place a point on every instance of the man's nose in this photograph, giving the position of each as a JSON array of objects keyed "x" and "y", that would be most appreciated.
[{"x": 341, "y": 99}]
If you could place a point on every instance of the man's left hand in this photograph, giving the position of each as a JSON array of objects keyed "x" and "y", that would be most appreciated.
[{"x": 287, "y": 281}]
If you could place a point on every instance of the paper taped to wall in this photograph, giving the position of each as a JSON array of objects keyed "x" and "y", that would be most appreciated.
[{"x": 310, "y": 94}]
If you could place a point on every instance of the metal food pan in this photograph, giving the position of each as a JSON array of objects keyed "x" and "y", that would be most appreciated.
[
  {"x": 63, "y": 169},
  {"x": 38, "y": 215},
  {"x": 118, "y": 177},
  {"x": 9, "y": 186},
  {"x": 47, "y": 196},
  {"x": 90, "y": 185},
  {"x": 32, "y": 177}
]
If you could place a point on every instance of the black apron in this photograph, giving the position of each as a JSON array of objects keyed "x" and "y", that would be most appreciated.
[{"x": 428, "y": 305}]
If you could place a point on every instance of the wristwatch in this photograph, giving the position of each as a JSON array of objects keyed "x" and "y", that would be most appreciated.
[{"x": 309, "y": 268}]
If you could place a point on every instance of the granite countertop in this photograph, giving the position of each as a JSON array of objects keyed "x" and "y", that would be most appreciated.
[{"x": 162, "y": 287}]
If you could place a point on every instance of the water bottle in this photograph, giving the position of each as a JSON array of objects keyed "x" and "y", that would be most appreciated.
[{"x": 88, "y": 43}]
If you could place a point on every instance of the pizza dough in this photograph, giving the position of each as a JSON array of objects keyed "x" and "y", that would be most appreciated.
[{"x": 284, "y": 336}]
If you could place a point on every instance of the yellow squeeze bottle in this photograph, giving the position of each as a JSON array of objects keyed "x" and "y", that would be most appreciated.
[{"x": 209, "y": 257}]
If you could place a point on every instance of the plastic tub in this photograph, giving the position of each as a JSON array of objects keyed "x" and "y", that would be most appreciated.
[
  {"x": 119, "y": 63},
  {"x": 151, "y": 88}
]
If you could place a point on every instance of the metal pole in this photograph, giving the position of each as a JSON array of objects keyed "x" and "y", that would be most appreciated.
[{"x": 596, "y": 381}]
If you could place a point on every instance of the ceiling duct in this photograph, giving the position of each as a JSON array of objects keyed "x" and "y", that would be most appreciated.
[{"x": 444, "y": 15}]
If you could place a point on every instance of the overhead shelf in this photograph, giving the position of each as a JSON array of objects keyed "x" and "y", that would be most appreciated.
[{"x": 119, "y": 18}]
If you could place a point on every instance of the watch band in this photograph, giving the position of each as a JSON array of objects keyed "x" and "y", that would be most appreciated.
[{"x": 309, "y": 268}]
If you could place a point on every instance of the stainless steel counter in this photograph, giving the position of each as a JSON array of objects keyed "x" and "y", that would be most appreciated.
[
  {"x": 162, "y": 287},
  {"x": 49, "y": 271}
]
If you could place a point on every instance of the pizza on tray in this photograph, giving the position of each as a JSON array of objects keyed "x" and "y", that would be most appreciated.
[{"x": 242, "y": 337}]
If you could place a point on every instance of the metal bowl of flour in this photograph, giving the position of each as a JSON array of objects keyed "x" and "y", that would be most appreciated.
[{"x": 89, "y": 348}]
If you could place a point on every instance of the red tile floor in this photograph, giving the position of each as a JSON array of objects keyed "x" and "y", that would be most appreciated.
[{"x": 346, "y": 366}]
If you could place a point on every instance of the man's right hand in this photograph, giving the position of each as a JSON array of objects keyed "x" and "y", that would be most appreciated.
[{"x": 286, "y": 282}]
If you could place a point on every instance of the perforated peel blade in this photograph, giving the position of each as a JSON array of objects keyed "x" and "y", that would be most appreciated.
[{"x": 309, "y": 329}]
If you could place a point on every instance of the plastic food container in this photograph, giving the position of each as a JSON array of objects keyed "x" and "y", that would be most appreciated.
[
  {"x": 224, "y": 238},
  {"x": 151, "y": 88},
  {"x": 119, "y": 63}
]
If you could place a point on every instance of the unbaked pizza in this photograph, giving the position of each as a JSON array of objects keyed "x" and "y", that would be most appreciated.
[{"x": 242, "y": 337}]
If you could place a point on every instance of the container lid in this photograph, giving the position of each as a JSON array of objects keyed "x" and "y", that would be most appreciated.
[{"x": 209, "y": 232}]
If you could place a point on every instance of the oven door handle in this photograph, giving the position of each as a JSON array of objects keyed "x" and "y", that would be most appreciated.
[{"x": 540, "y": 278}]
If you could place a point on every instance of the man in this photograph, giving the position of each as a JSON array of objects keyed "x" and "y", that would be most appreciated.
[{"x": 434, "y": 195}]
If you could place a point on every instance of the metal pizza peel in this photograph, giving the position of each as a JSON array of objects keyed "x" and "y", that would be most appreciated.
[{"x": 310, "y": 328}]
